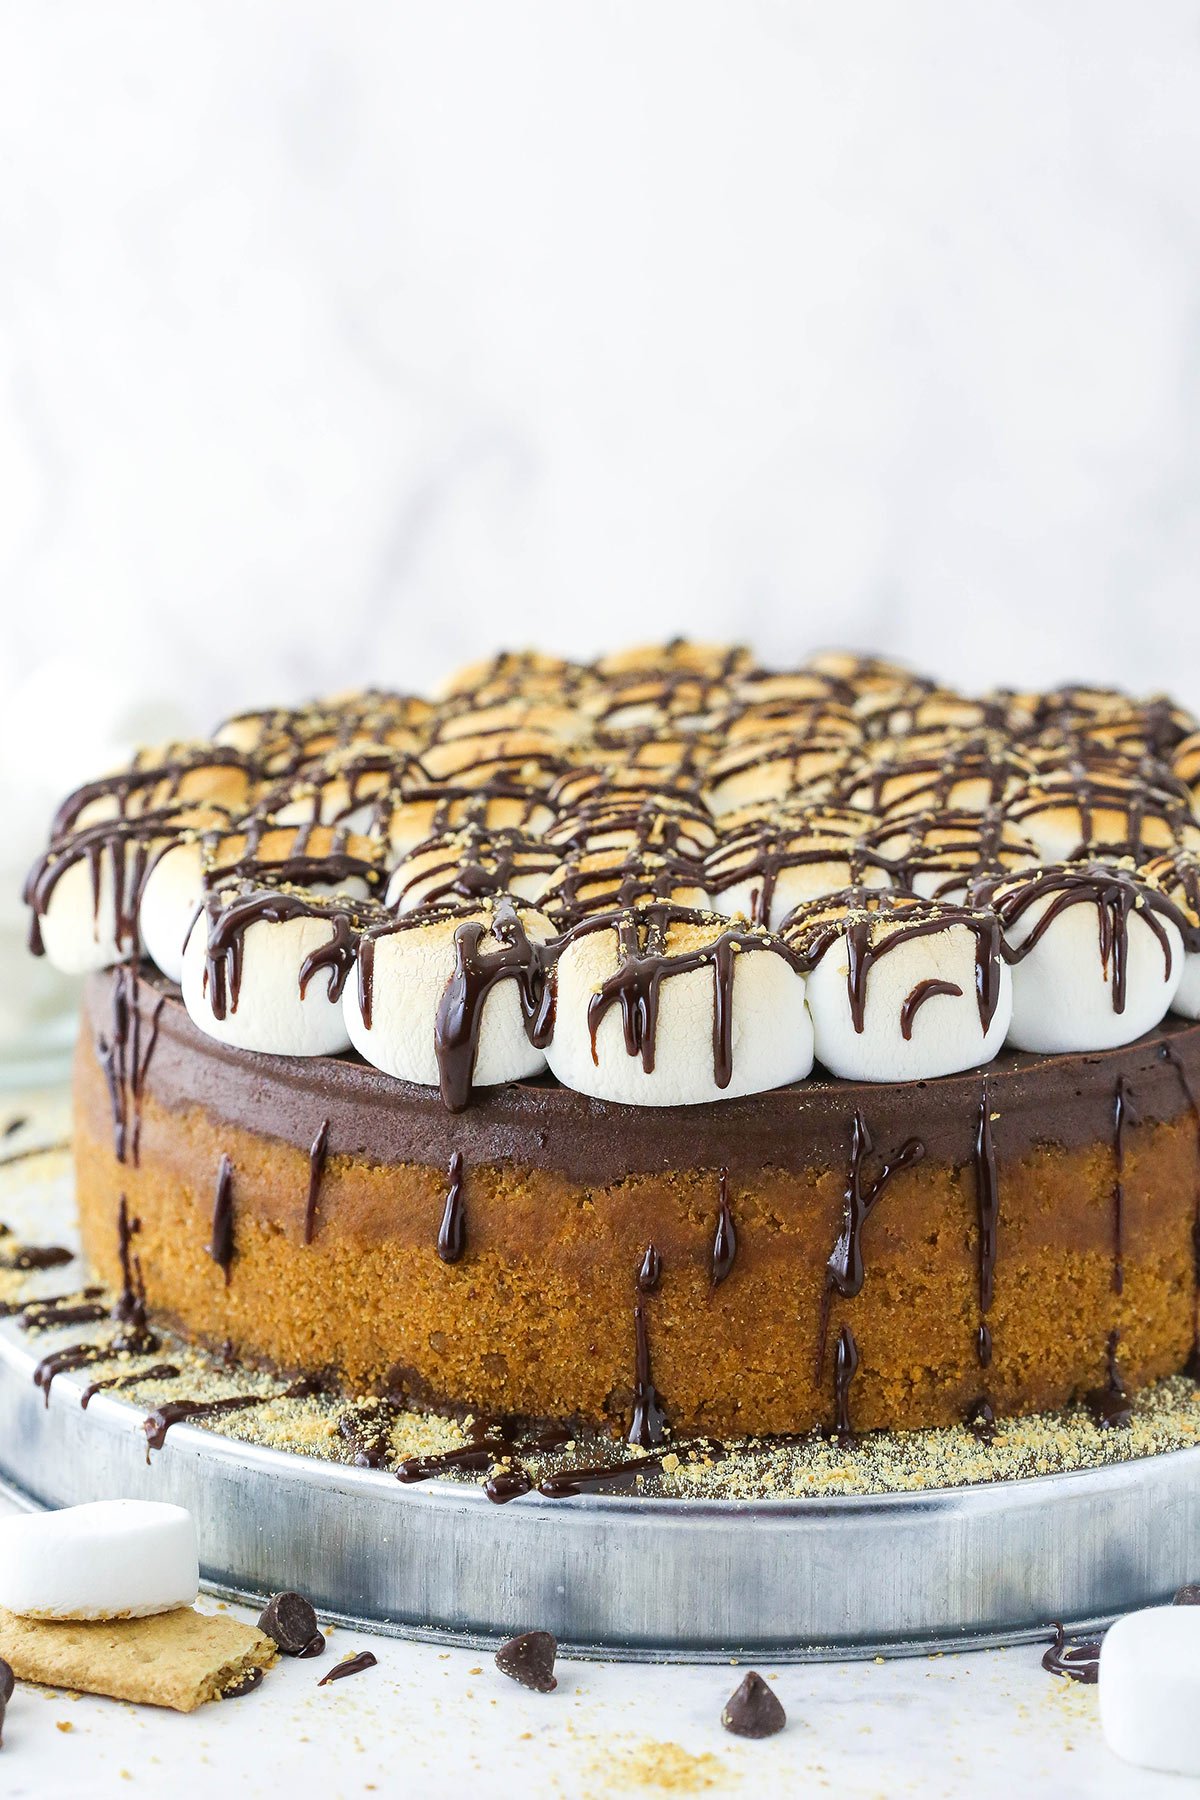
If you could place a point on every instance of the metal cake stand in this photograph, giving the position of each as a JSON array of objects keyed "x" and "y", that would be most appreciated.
[{"x": 615, "y": 1575}]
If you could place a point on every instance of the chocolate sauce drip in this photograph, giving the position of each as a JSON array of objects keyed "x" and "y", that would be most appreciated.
[
  {"x": 650, "y": 1273},
  {"x": 131, "y": 1378},
  {"x": 1081, "y": 1662},
  {"x": 452, "y": 1232},
  {"x": 469, "y": 1458},
  {"x": 725, "y": 1242},
  {"x": 245, "y": 1684},
  {"x": 846, "y": 1270},
  {"x": 570, "y": 1482},
  {"x": 648, "y": 1425},
  {"x": 37, "y": 1256},
  {"x": 130, "y": 1305},
  {"x": 125, "y": 1059},
  {"x": 987, "y": 1206},
  {"x": 175, "y": 1412},
  {"x": 845, "y": 1368},
  {"x": 1192, "y": 1366},
  {"x": 980, "y": 1420},
  {"x": 78, "y": 1356},
  {"x": 1122, "y": 1112},
  {"x": 221, "y": 1244},
  {"x": 914, "y": 1001},
  {"x": 316, "y": 1168},
  {"x": 369, "y": 1435},
  {"x": 61, "y": 1309},
  {"x": 1110, "y": 1405},
  {"x": 353, "y": 1665},
  {"x": 507, "y": 1484},
  {"x": 230, "y": 918},
  {"x": 13, "y": 1125}
]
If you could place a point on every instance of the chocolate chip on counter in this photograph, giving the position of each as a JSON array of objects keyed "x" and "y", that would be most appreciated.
[
  {"x": 290, "y": 1621},
  {"x": 529, "y": 1659},
  {"x": 752, "y": 1710}
]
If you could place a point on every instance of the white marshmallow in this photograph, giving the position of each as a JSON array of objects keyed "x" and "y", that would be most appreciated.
[
  {"x": 1063, "y": 991},
  {"x": 1150, "y": 1688},
  {"x": 1186, "y": 999},
  {"x": 772, "y": 1036},
  {"x": 270, "y": 1013},
  {"x": 80, "y": 927},
  {"x": 112, "y": 1559},
  {"x": 410, "y": 967},
  {"x": 946, "y": 1033},
  {"x": 171, "y": 899}
]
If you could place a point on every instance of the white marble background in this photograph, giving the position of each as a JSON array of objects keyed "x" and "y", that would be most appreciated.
[{"x": 338, "y": 343}]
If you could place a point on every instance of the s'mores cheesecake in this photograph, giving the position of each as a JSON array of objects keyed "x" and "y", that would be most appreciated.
[{"x": 667, "y": 1041}]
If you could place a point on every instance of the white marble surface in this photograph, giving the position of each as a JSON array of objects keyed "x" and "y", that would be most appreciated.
[{"x": 445, "y": 1723}]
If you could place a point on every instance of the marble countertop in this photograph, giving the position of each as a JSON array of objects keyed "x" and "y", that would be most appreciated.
[{"x": 428, "y": 1722}]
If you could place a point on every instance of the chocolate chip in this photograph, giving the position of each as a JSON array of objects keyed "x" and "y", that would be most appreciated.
[
  {"x": 529, "y": 1659},
  {"x": 245, "y": 1684},
  {"x": 2, "y": 1704},
  {"x": 290, "y": 1620},
  {"x": 7, "y": 1682},
  {"x": 752, "y": 1710},
  {"x": 1187, "y": 1596}
]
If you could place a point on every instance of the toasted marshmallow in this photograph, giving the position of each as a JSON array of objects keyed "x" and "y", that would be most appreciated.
[
  {"x": 111, "y": 1559},
  {"x": 776, "y": 769},
  {"x": 514, "y": 671},
  {"x": 86, "y": 891},
  {"x": 939, "y": 855},
  {"x": 1096, "y": 953},
  {"x": 953, "y": 774},
  {"x": 901, "y": 989},
  {"x": 349, "y": 786},
  {"x": 626, "y": 819},
  {"x": 1072, "y": 813},
  {"x": 766, "y": 867},
  {"x": 265, "y": 969},
  {"x": 1177, "y": 875},
  {"x": 615, "y": 879},
  {"x": 399, "y": 1011},
  {"x": 167, "y": 778},
  {"x": 179, "y": 879},
  {"x": 433, "y": 811},
  {"x": 637, "y": 1017},
  {"x": 471, "y": 864},
  {"x": 717, "y": 662}
]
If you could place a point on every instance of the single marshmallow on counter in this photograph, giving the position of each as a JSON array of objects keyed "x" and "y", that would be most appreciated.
[
  {"x": 265, "y": 971},
  {"x": 406, "y": 971},
  {"x": 677, "y": 1014},
  {"x": 1150, "y": 1688},
  {"x": 1096, "y": 955},
  {"x": 112, "y": 1559},
  {"x": 901, "y": 989}
]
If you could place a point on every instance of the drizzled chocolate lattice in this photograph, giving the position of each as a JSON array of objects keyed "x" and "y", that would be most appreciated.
[{"x": 642, "y": 870}]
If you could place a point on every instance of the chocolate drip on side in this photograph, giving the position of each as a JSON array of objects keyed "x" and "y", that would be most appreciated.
[
  {"x": 125, "y": 1059},
  {"x": 316, "y": 1168},
  {"x": 987, "y": 1206},
  {"x": 846, "y": 1270},
  {"x": 725, "y": 1242},
  {"x": 1192, "y": 1366},
  {"x": 1122, "y": 1112},
  {"x": 845, "y": 1368},
  {"x": 648, "y": 1423},
  {"x": 650, "y": 1273},
  {"x": 1110, "y": 1405},
  {"x": 914, "y": 1001},
  {"x": 221, "y": 1244},
  {"x": 452, "y": 1232}
]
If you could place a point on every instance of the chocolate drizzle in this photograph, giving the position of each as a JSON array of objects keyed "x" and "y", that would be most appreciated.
[
  {"x": 176, "y": 1412},
  {"x": 351, "y": 1665},
  {"x": 650, "y": 1273},
  {"x": 1080, "y": 1662},
  {"x": 1192, "y": 1366},
  {"x": 916, "y": 999},
  {"x": 316, "y": 1168},
  {"x": 725, "y": 1242},
  {"x": 1109, "y": 1405},
  {"x": 987, "y": 1207},
  {"x": 130, "y": 1378},
  {"x": 846, "y": 1270},
  {"x": 130, "y": 1305},
  {"x": 452, "y": 1232},
  {"x": 648, "y": 1424},
  {"x": 125, "y": 1059},
  {"x": 221, "y": 1244},
  {"x": 845, "y": 1368},
  {"x": 1121, "y": 1114}
]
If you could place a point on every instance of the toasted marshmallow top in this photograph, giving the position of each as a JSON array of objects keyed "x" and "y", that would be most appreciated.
[{"x": 844, "y": 858}]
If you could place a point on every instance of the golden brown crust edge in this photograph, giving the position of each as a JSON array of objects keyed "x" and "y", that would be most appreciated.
[{"x": 538, "y": 1315}]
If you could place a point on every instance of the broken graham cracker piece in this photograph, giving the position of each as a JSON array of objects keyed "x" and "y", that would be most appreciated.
[{"x": 178, "y": 1659}]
